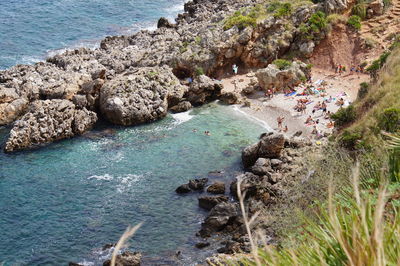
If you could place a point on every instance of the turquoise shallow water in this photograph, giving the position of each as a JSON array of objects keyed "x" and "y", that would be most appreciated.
[
  {"x": 63, "y": 202},
  {"x": 32, "y": 29}
]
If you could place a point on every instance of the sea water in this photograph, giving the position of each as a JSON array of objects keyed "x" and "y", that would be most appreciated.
[
  {"x": 64, "y": 201},
  {"x": 31, "y": 30}
]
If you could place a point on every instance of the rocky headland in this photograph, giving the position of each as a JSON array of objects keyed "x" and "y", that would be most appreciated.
[{"x": 136, "y": 79}]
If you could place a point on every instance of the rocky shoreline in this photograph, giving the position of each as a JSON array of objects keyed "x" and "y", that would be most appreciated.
[{"x": 137, "y": 79}]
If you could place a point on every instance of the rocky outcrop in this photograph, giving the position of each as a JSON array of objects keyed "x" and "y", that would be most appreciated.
[
  {"x": 269, "y": 146},
  {"x": 209, "y": 202},
  {"x": 336, "y": 6},
  {"x": 230, "y": 97},
  {"x": 218, "y": 218},
  {"x": 272, "y": 76},
  {"x": 127, "y": 258},
  {"x": 193, "y": 185},
  {"x": 11, "y": 105},
  {"x": 47, "y": 121},
  {"x": 181, "y": 107},
  {"x": 140, "y": 95},
  {"x": 203, "y": 89},
  {"x": 216, "y": 188}
]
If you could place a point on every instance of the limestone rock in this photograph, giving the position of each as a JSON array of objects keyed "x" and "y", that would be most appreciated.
[
  {"x": 269, "y": 146},
  {"x": 208, "y": 202},
  {"x": 181, "y": 107},
  {"x": 217, "y": 188},
  {"x": 272, "y": 76},
  {"x": 198, "y": 184},
  {"x": 230, "y": 97},
  {"x": 218, "y": 218},
  {"x": 139, "y": 96},
  {"x": 183, "y": 189},
  {"x": 203, "y": 89},
  {"x": 48, "y": 121}
]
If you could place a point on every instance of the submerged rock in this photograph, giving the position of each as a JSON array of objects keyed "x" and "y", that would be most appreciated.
[
  {"x": 183, "y": 189},
  {"x": 198, "y": 184},
  {"x": 201, "y": 245}
]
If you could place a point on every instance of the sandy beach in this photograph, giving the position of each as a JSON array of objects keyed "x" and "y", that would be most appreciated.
[{"x": 337, "y": 86}]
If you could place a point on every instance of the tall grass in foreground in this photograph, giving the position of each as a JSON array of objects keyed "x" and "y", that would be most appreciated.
[
  {"x": 356, "y": 227},
  {"x": 129, "y": 232}
]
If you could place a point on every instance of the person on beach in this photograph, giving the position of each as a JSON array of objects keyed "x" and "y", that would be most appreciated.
[
  {"x": 340, "y": 102},
  {"x": 280, "y": 120},
  {"x": 323, "y": 107},
  {"x": 269, "y": 94},
  {"x": 235, "y": 69},
  {"x": 285, "y": 129},
  {"x": 314, "y": 131},
  {"x": 309, "y": 120},
  {"x": 330, "y": 124},
  {"x": 328, "y": 115}
]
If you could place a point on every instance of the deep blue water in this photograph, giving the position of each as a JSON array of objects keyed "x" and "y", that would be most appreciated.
[
  {"x": 32, "y": 29},
  {"x": 63, "y": 202}
]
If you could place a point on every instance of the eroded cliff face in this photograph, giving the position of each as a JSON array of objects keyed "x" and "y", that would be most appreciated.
[{"x": 136, "y": 79}]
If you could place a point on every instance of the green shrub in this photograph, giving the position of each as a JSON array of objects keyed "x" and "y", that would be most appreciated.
[
  {"x": 360, "y": 9},
  {"x": 239, "y": 20},
  {"x": 199, "y": 71},
  {"x": 355, "y": 22},
  {"x": 350, "y": 140},
  {"x": 363, "y": 90},
  {"x": 344, "y": 116},
  {"x": 282, "y": 63},
  {"x": 318, "y": 22},
  {"x": 389, "y": 120},
  {"x": 284, "y": 10}
]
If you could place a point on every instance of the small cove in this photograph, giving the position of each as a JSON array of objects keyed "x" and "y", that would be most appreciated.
[{"x": 64, "y": 201}]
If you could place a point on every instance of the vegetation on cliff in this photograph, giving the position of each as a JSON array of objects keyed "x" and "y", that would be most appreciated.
[{"x": 352, "y": 215}]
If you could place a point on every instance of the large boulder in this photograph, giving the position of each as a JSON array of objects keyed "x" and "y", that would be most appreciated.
[
  {"x": 217, "y": 188},
  {"x": 47, "y": 121},
  {"x": 209, "y": 202},
  {"x": 127, "y": 258},
  {"x": 218, "y": 218},
  {"x": 269, "y": 146},
  {"x": 140, "y": 95},
  {"x": 251, "y": 185},
  {"x": 203, "y": 89},
  {"x": 272, "y": 76}
]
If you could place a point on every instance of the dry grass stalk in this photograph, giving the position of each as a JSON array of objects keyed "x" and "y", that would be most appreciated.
[{"x": 129, "y": 232}]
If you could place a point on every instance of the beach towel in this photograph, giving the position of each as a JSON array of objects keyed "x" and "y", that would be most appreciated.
[
  {"x": 291, "y": 94},
  {"x": 309, "y": 103}
]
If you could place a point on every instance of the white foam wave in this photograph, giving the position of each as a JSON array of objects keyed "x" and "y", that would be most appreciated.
[
  {"x": 122, "y": 182},
  {"x": 181, "y": 118},
  {"x": 105, "y": 177},
  {"x": 253, "y": 118}
]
